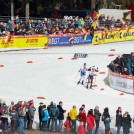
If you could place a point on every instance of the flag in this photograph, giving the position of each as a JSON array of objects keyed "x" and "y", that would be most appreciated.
[
  {"x": 83, "y": 30},
  {"x": 17, "y": 19},
  {"x": 106, "y": 32},
  {"x": 95, "y": 14},
  {"x": 101, "y": 35},
  {"x": 127, "y": 30},
  {"x": 85, "y": 36},
  {"x": 65, "y": 30},
  {"x": 53, "y": 30},
  {"x": 110, "y": 132},
  {"x": 8, "y": 37},
  {"x": 123, "y": 21},
  {"x": 71, "y": 39}
]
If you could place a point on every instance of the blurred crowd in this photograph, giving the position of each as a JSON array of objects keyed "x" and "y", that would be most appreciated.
[
  {"x": 61, "y": 26},
  {"x": 51, "y": 118},
  {"x": 123, "y": 64}
]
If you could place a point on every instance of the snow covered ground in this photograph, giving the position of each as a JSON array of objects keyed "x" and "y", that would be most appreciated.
[{"x": 56, "y": 80}]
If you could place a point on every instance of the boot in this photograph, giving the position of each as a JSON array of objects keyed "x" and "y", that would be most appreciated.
[
  {"x": 87, "y": 86},
  {"x": 82, "y": 82},
  {"x": 90, "y": 87},
  {"x": 78, "y": 82}
]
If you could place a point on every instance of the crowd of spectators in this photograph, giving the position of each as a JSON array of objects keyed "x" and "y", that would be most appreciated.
[
  {"x": 123, "y": 64},
  {"x": 51, "y": 118},
  {"x": 58, "y": 26}
]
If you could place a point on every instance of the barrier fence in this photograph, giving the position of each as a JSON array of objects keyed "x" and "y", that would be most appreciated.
[
  {"x": 100, "y": 37},
  {"x": 120, "y": 82}
]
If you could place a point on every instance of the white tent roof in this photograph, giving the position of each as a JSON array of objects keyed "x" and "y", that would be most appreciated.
[{"x": 116, "y": 13}]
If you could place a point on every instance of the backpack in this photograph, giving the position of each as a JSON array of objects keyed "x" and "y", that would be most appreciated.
[
  {"x": 103, "y": 117},
  {"x": 54, "y": 112},
  {"x": 43, "y": 114}
]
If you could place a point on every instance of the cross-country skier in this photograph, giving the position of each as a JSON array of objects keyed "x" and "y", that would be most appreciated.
[
  {"x": 92, "y": 71},
  {"x": 82, "y": 74}
]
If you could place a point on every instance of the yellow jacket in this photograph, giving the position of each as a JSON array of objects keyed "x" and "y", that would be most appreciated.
[{"x": 73, "y": 114}]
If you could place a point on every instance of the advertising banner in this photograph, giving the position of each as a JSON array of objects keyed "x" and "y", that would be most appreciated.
[
  {"x": 65, "y": 39},
  {"x": 101, "y": 37},
  {"x": 24, "y": 41},
  {"x": 122, "y": 83}
]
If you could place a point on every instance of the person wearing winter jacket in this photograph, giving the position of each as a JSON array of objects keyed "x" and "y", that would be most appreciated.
[
  {"x": 107, "y": 125},
  {"x": 21, "y": 119},
  {"x": 73, "y": 116},
  {"x": 97, "y": 116},
  {"x": 126, "y": 123},
  {"x": 4, "y": 114},
  {"x": 40, "y": 118},
  {"x": 54, "y": 113},
  {"x": 61, "y": 114},
  {"x": 45, "y": 118},
  {"x": 82, "y": 116},
  {"x": 14, "y": 119},
  {"x": 118, "y": 121},
  {"x": 129, "y": 66},
  {"x": 92, "y": 71},
  {"x": 31, "y": 112},
  {"x": 90, "y": 121},
  {"x": 105, "y": 114},
  {"x": 81, "y": 129}
]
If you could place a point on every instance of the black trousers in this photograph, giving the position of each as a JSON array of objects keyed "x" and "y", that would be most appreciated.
[
  {"x": 25, "y": 122},
  {"x": 13, "y": 125},
  {"x": 97, "y": 122},
  {"x": 30, "y": 123},
  {"x": 40, "y": 124}
]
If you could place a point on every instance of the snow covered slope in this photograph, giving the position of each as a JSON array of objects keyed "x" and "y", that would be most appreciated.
[{"x": 56, "y": 80}]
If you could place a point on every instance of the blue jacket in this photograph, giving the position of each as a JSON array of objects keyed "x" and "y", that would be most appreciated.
[
  {"x": 107, "y": 123},
  {"x": 46, "y": 118},
  {"x": 57, "y": 112}
]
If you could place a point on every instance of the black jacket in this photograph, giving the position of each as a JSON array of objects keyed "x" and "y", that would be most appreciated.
[
  {"x": 118, "y": 120},
  {"x": 106, "y": 114},
  {"x": 39, "y": 110},
  {"x": 126, "y": 124},
  {"x": 61, "y": 115}
]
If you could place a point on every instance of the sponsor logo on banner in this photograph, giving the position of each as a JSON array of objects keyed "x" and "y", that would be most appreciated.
[
  {"x": 31, "y": 40},
  {"x": 80, "y": 55},
  {"x": 118, "y": 82}
]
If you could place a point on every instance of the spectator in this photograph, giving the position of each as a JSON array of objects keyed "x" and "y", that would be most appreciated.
[
  {"x": 54, "y": 113},
  {"x": 81, "y": 129},
  {"x": 14, "y": 119},
  {"x": 10, "y": 106},
  {"x": 82, "y": 116},
  {"x": 107, "y": 125},
  {"x": 126, "y": 123},
  {"x": 90, "y": 121},
  {"x": 67, "y": 124},
  {"x": 31, "y": 112},
  {"x": 97, "y": 116},
  {"x": 61, "y": 115},
  {"x": 105, "y": 114},
  {"x": 82, "y": 107},
  {"x": 45, "y": 118},
  {"x": 118, "y": 121},
  {"x": 73, "y": 116},
  {"x": 25, "y": 110},
  {"x": 48, "y": 108},
  {"x": 40, "y": 118},
  {"x": 21, "y": 119},
  {"x": 129, "y": 66}
]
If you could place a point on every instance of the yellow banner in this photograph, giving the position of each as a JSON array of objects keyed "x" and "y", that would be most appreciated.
[
  {"x": 101, "y": 37},
  {"x": 24, "y": 41}
]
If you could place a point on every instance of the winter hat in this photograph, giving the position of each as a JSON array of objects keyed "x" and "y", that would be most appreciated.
[
  {"x": 14, "y": 108},
  {"x": 41, "y": 102},
  {"x": 85, "y": 64}
]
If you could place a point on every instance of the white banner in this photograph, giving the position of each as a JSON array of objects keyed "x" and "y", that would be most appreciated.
[{"x": 121, "y": 82}]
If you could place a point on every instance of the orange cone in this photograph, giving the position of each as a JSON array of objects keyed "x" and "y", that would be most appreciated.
[
  {"x": 95, "y": 75},
  {"x": 121, "y": 93},
  {"x": 102, "y": 73},
  {"x": 29, "y": 62},
  {"x": 1, "y": 65},
  {"x": 40, "y": 98},
  {"x": 94, "y": 85},
  {"x": 74, "y": 58},
  {"x": 111, "y": 55},
  {"x": 60, "y": 58},
  {"x": 102, "y": 89},
  {"x": 112, "y": 50}
]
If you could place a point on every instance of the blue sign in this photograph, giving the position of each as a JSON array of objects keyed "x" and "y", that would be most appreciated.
[{"x": 63, "y": 40}]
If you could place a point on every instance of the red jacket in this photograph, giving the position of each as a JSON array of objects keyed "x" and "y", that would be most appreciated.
[
  {"x": 81, "y": 130},
  {"x": 90, "y": 122},
  {"x": 67, "y": 125},
  {"x": 82, "y": 117}
]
